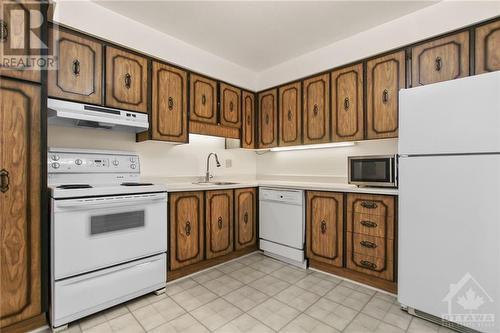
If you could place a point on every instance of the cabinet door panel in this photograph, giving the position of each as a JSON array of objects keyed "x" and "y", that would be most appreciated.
[
  {"x": 20, "y": 285},
  {"x": 79, "y": 68},
  {"x": 169, "y": 111},
  {"x": 245, "y": 225},
  {"x": 385, "y": 76},
  {"x": 324, "y": 219},
  {"x": 186, "y": 228},
  {"x": 347, "y": 103},
  {"x": 316, "y": 112},
  {"x": 203, "y": 97},
  {"x": 248, "y": 128},
  {"x": 219, "y": 217},
  {"x": 126, "y": 80},
  {"x": 488, "y": 48},
  {"x": 268, "y": 114},
  {"x": 440, "y": 60},
  {"x": 290, "y": 115},
  {"x": 231, "y": 106}
]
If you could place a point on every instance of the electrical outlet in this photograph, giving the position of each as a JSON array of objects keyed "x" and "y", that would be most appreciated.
[{"x": 229, "y": 163}]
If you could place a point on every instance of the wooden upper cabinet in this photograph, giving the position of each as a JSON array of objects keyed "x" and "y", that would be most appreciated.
[
  {"x": 126, "y": 80},
  {"x": 324, "y": 223},
  {"x": 230, "y": 101},
  {"x": 20, "y": 268},
  {"x": 441, "y": 59},
  {"x": 169, "y": 108},
  {"x": 203, "y": 98},
  {"x": 488, "y": 47},
  {"x": 186, "y": 228},
  {"x": 290, "y": 115},
  {"x": 268, "y": 122},
  {"x": 248, "y": 118},
  {"x": 385, "y": 76},
  {"x": 219, "y": 223},
  {"x": 316, "y": 111},
  {"x": 22, "y": 42},
  {"x": 79, "y": 68},
  {"x": 245, "y": 224},
  {"x": 347, "y": 103}
]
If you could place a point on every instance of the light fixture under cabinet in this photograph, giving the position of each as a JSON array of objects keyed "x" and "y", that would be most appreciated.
[{"x": 317, "y": 146}]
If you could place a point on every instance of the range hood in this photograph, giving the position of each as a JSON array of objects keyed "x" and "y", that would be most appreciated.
[{"x": 90, "y": 116}]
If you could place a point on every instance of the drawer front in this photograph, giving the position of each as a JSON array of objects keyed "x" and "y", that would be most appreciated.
[
  {"x": 371, "y": 225},
  {"x": 374, "y": 266},
  {"x": 371, "y": 204},
  {"x": 370, "y": 245}
]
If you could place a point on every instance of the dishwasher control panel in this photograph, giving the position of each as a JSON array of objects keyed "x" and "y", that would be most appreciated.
[{"x": 281, "y": 195}]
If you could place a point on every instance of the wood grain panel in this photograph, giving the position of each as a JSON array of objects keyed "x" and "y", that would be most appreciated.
[
  {"x": 373, "y": 204},
  {"x": 230, "y": 106},
  {"x": 379, "y": 247},
  {"x": 203, "y": 99},
  {"x": 439, "y": 60},
  {"x": 213, "y": 129},
  {"x": 126, "y": 80},
  {"x": 324, "y": 227},
  {"x": 248, "y": 128},
  {"x": 373, "y": 266},
  {"x": 186, "y": 228},
  {"x": 290, "y": 114},
  {"x": 219, "y": 223},
  {"x": 385, "y": 76},
  {"x": 488, "y": 47},
  {"x": 347, "y": 103},
  {"x": 268, "y": 122},
  {"x": 245, "y": 225},
  {"x": 79, "y": 68},
  {"x": 316, "y": 111},
  {"x": 20, "y": 269}
]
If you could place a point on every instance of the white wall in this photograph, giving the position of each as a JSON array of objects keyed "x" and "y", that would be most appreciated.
[{"x": 160, "y": 159}]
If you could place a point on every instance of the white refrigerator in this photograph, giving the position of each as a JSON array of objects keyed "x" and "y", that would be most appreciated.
[{"x": 449, "y": 202}]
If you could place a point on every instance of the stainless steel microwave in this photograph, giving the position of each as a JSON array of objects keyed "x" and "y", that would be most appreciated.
[{"x": 376, "y": 170}]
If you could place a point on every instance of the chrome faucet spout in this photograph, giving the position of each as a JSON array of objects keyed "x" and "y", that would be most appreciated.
[{"x": 207, "y": 174}]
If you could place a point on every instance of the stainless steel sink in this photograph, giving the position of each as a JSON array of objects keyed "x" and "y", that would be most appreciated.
[{"x": 215, "y": 183}]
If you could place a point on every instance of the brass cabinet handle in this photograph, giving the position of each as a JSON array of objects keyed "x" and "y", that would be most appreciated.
[
  {"x": 267, "y": 119},
  {"x": 438, "y": 64},
  {"x": 170, "y": 103},
  {"x": 289, "y": 115},
  {"x": 323, "y": 226},
  {"x": 245, "y": 217},
  {"x": 315, "y": 109},
  {"x": 369, "y": 224},
  {"x": 4, "y": 31},
  {"x": 4, "y": 180},
  {"x": 76, "y": 67},
  {"x": 346, "y": 104},
  {"x": 203, "y": 99},
  {"x": 368, "y": 244},
  {"x": 368, "y": 264},
  {"x": 369, "y": 204},
  {"x": 219, "y": 222},
  {"x": 187, "y": 228},
  {"x": 385, "y": 96},
  {"x": 231, "y": 106},
  {"x": 128, "y": 80}
]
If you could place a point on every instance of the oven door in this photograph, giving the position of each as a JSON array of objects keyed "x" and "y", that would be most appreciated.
[
  {"x": 93, "y": 233},
  {"x": 372, "y": 171}
]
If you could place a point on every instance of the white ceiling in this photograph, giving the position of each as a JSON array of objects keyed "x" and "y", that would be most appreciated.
[{"x": 260, "y": 34}]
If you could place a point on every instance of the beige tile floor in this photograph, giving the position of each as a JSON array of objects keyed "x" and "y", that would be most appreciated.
[{"x": 259, "y": 294}]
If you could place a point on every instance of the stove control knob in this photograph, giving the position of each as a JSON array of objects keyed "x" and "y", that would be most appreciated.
[
  {"x": 55, "y": 165},
  {"x": 55, "y": 157},
  {"x": 116, "y": 162},
  {"x": 133, "y": 166},
  {"x": 78, "y": 161}
]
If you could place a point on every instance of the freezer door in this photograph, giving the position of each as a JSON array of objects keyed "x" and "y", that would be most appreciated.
[
  {"x": 458, "y": 116},
  {"x": 449, "y": 235}
]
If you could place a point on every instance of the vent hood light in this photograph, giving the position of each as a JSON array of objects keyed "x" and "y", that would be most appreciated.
[{"x": 318, "y": 146}]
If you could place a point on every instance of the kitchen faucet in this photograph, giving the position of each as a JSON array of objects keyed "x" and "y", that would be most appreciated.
[{"x": 207, "y": 174}]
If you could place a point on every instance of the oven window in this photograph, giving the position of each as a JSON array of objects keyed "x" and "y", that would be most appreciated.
[
  {"x": 371, "y": 170},
  {"x": 114, "y": 222}
]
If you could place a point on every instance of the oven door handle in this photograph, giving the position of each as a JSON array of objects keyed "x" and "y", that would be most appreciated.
[{"x": 111, "y": 201}]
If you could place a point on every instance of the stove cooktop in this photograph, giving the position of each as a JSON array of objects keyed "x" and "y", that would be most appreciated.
[
  {"x": 73, "y": 186},
  {"x": 135, "y": 184},
  {"x": 66, "y": 191}
]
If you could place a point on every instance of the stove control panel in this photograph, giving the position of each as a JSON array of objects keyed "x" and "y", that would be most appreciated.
[{"x": 73, "y": 162}]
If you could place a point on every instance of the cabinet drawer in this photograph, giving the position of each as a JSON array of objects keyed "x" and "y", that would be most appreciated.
[
  {"x": 371, "y": 246},
  {"x": 372, "y": 225},
  {"x": 371, "y": 204},
  {"x": 374, "y": 266}
]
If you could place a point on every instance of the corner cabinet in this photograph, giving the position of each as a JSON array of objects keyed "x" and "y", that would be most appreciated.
[
  {"x": 316, "y": 109},
  {"x": 187, "y": 222},
  {"x": 219, "y": 223},
  {"x": 268, "y": 119},
  {"x": 248, "y": 120},
  {"x": 347, "y": 103},
  {"x": 290, "y": 114},
  {"x": 230, "y": 103},
  {"x": 126, "y": 80},
  {"x": 488, "y": 47},
  {"x": 385, "y": 76},
  {"x": 20, "y": 196},
  {"x": 245, "y": 226},
  {"x": 79, "y": 67}
]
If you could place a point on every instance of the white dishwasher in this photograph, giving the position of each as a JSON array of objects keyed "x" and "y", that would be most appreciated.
[{"x": 282, "y": 224}]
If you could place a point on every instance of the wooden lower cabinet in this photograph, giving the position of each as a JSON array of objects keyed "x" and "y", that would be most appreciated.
[
  {"x": 186, "y": 220},
  {"x": 20, "y": 219},
  {"x": 219, "y": 223},
  {"x": 245, "y": 226}
]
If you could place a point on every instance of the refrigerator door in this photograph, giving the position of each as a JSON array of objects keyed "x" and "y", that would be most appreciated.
[
  {"x": 458, "y": 116},
  {"x": 449, "y": 235}
]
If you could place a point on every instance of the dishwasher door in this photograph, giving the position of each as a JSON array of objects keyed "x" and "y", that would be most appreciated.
[{"x": 281, "y": 216}]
